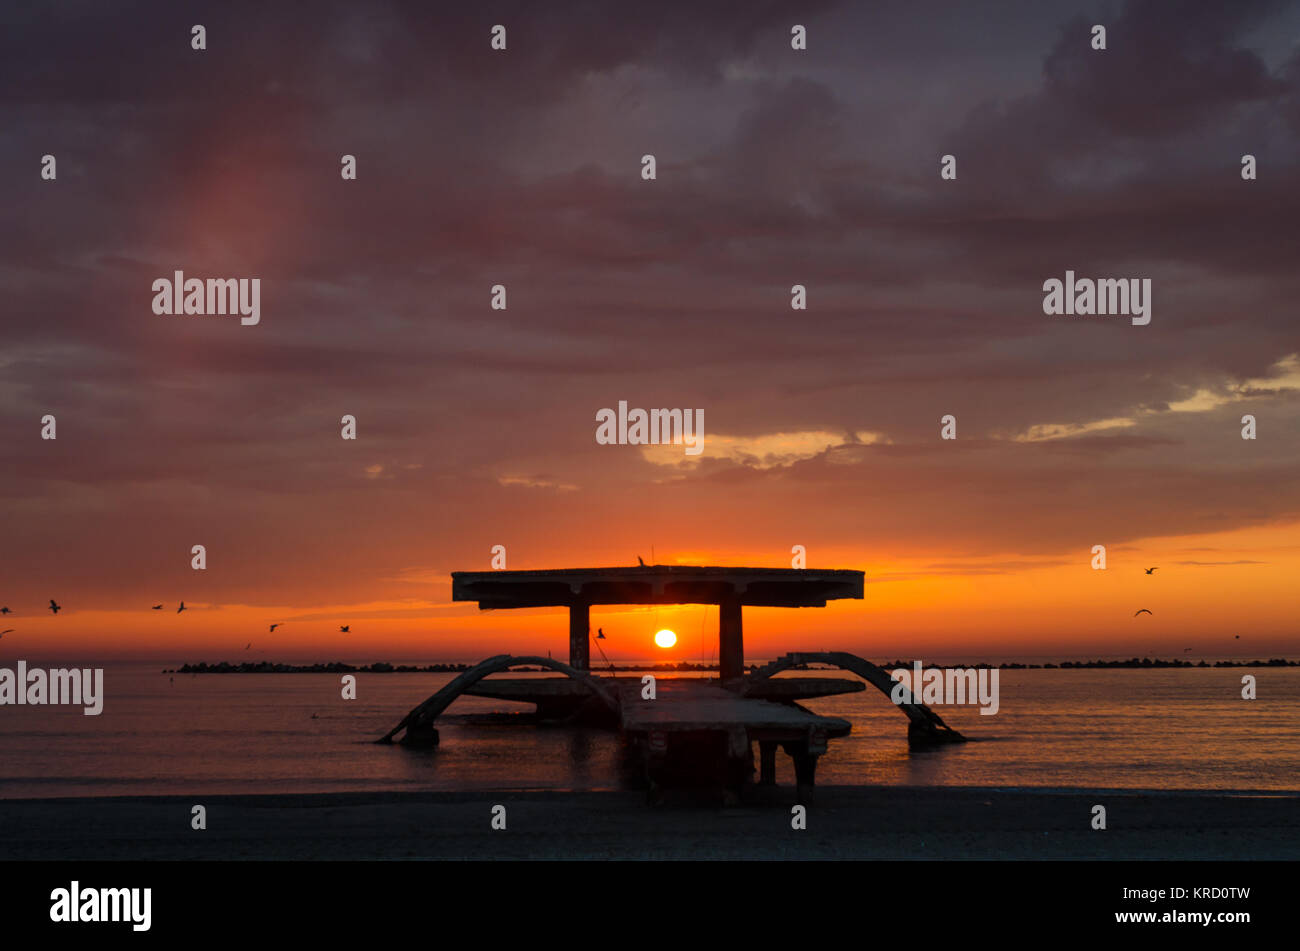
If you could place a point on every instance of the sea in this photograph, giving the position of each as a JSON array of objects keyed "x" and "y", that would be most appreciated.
[{"x": 181, "y": 734}]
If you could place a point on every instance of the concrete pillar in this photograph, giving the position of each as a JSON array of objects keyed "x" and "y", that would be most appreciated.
[
  {"x": 805, "y": 772},
  {"x": 767, "y": 762},
  {"x": 738, "y": 776},
  {"x": 579, "y": 636},
  {"x": 731, "y": 641},
  {"x": 420, "y": 733}
]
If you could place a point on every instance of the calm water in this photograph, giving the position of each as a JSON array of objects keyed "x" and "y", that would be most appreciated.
[{"x": 1155, "y": 729}]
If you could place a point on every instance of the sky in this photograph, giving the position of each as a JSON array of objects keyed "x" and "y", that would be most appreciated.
[{"x": 476, "y": 427}]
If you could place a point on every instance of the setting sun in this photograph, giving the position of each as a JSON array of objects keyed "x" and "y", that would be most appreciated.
[{"x": 665, "y": 638}]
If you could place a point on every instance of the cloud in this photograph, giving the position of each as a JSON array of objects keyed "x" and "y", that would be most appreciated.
[
  {"x": 1220, "y": 564},
  {"x": 775, "y": 168},
  {"x": 765, "y": 451},
  {"x": 1283, "y": 378},
  {"x": 971, "y": 567},
  {"x": 1042, "y": 432},
  {"x": 536, "y": 482}
]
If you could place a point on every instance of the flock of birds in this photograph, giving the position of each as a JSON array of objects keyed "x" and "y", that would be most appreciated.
[
  {"x": 1149, "y": 571},
  {"x": 1186, "y": 650},
  {"x": 55, "y": 608}
]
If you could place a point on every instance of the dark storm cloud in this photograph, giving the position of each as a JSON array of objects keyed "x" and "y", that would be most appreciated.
[
  {"x": 139, "y": 53},
  {"x": 522, "y": 168}
]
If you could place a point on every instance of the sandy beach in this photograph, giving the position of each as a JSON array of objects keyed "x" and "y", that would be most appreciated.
[{"x": 845, "y": 822}]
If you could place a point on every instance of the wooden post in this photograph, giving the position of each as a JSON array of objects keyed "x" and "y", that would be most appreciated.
[
  {"x": 579, "y": 636},
  {"x": 731, "y": 641}
]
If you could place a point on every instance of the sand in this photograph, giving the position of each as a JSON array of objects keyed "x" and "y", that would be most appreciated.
[{"x": 843, "y": 823}]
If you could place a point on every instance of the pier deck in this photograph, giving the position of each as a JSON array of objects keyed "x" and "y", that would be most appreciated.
[
  {"x": 560, "y": 696},
  {"x": 698, "y": 705},
  {"x": 694, "y": 721}
]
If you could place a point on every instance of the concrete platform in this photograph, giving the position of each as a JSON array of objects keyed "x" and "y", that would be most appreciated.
[
  {"x": 698, "y": 733},
  {"x": 561, "y": 696},
  {"x": 694, "y": 705}
]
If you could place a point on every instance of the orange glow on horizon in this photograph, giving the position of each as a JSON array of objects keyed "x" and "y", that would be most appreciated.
[{"x": 1225, "y": 594}]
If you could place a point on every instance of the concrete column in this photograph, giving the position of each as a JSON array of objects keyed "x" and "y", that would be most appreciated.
[
  {"x": 731, "y": 641},
  {"x": 767, "y": 762},
  {"x": 579, "y": 636},
  {"x": 805, "y": 771},
  {"x": 420, "y": 733}
]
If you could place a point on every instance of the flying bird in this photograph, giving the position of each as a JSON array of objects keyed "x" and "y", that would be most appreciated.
[
  {"x": 9, "y": 630},
  {"x": 1237, "y": 636},
  {"x": 157, "y": 607},
  {"x": 1187, "y": 650},
  {"x": 1149, "y": 570},
  {"x": 181, "y": 608},
  {"x": 249, "y": 646},
  {"x": 639, "y": 561},
  {"x": 55, "y": 606},
  {"x": 275, "y": 625},
  {"x": 346, "y": 628},
  {"x": 1142, "y": 611},
  {"x": 4, "y": 610},
  {"x": 600, "y": 634}
]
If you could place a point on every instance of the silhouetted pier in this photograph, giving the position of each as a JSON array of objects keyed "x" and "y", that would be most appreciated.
[{"x": 686, "y": 731}]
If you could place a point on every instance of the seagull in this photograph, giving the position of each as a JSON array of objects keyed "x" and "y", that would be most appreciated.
[
  {"x": 1149, "y": 570},
  {"x": 250, "y": 645},
  {"x": 600, "y": 634},
  {"x": 181, "y": 608},
  {"x": 4, "y": 610},
  {"x": 275, "y": 625},
  {"x": 1237, "y": 636},
  {"x": 55, "y": 606},
  {"x": 345, "y": 629},
  {"x": 1187, "y": 650},
  {"x": 639, "y": 561},
  {"x": 6, "y": 631},
  {"x": 1142, "y": 611},
  {"x": 157, "y": 607}
]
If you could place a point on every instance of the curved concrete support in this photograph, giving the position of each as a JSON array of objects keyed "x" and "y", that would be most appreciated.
[
  {"x": 926, "y": 727},
  {"x": 419, "y": 722}
]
